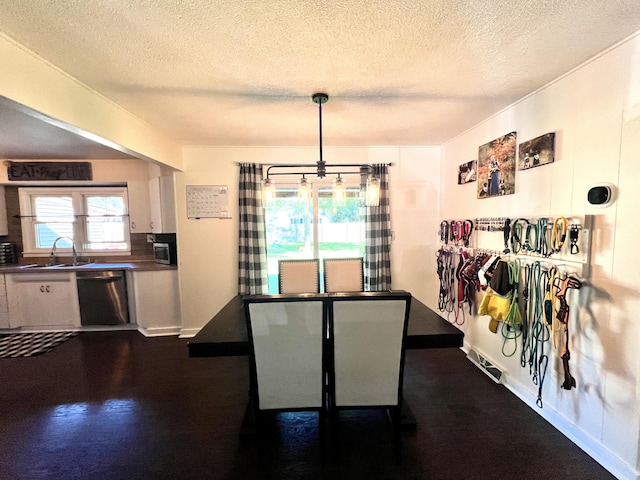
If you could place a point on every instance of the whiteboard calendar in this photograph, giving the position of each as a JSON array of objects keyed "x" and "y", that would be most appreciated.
[{"x": 207, "y": 201}]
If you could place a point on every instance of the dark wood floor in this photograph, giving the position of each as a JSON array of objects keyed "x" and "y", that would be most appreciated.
[{"x": 120, "y": 406}]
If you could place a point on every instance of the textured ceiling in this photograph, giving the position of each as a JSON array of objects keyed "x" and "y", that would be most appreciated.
[{"x": 241, "y": 72}]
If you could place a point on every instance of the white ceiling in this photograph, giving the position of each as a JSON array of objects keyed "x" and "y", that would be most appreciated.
[{"x": 241, "y": 72}]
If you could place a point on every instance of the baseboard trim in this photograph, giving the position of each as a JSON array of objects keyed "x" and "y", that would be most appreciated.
[
  {"x": 159, "y": 331},
  {"x": 189, "y": 332},
  {"x": 590, "y": 446}
]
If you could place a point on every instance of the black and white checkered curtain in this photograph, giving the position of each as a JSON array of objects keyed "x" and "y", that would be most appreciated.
[
  {"x": 252, "y": 250},
  {"x": 377, "y": 254}
]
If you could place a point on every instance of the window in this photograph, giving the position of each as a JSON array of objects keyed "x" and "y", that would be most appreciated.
[
  {"x": 320, "y": 227},
  {"x": 95, "y": 218}
]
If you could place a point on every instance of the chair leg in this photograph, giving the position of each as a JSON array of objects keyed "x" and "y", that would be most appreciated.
[
  {"x": 322, "y": 429},
  {"x": 395, "y": 425},
  {"x": 261, "y": 436}
]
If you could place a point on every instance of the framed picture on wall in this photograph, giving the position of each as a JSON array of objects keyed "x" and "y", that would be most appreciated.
[
  {"x": 497, "y": 167},
  {"x": 536, "y": 152},
  {"x": 468, "y": 172}
]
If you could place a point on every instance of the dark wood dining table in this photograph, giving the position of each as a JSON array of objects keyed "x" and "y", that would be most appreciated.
[{"x": 226, "y": 335}]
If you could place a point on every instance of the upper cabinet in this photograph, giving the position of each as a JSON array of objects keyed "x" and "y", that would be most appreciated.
[
  {"x": 152, "y": 205},
  {"x": 139, "y": 206},
  {"x": 163, "y": 210},
  {"x": 4, "y": 225}
]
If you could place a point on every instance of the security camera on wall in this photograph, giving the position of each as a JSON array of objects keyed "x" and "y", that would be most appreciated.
[{"x": 602, "y": 195}]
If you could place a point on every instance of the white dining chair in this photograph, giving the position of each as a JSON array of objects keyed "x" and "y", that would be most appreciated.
[
  {"x": 343, "y": 275},
  {"x": 299, "y": 276},
  {"x": 367, "y": 333},
  {"x": 287, "y": 355}
]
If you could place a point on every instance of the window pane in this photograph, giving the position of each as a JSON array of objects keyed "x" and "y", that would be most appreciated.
[
  {"x": 341, "y": 225},
  {"x": 46, "y": 234},
  {"x": 101, "y": 205},
  {"x": 105, "y": 233},
  {"x": 289, "y": 230},
  {"x": 53, "y": 209},
  {"x": 105, "y": 223},
  {"x": 54, "y": 218}
]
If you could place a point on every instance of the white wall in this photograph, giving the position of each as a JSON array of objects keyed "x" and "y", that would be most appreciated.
[
  {"x": 595, "y": 112},
  {"x": 208, "y": 248},
  {"x": 28, "y": 80},
  {"x": 103, "y": 171}
]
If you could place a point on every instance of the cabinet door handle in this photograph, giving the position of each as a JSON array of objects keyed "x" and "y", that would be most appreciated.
[
  {"x": 133, "y": 225},
  {"x": 151, "y": 225},
  {"x": 42, "y": 288},
  {"x": 48, "y": 288}
]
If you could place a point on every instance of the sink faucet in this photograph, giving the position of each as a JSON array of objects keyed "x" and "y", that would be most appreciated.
[{"x": 52, "y": 257}]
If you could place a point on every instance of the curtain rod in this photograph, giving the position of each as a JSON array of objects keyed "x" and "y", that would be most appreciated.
[{"x": 292, "y": 165}]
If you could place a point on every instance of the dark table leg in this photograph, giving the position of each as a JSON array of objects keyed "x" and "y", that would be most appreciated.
[
  {"x": 407, "y": 419},
  {"x": 248, "y": 427}
]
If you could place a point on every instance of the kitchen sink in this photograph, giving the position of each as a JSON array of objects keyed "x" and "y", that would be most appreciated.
[
  {"x": 56, "y": 265},
  {"x": 62, "y": 265}
]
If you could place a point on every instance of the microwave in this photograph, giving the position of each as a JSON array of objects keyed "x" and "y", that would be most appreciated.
[{"x": 165, "y": 253}]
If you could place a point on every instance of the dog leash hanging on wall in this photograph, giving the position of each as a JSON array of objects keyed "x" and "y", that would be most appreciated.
[{"x": 563, "y": 318}]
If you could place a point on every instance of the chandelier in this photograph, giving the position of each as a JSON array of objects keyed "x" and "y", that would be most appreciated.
[{"x": 368, "y": 180}]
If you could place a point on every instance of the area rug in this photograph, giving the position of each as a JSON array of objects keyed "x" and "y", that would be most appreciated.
[{"x": 30, "y": 344}]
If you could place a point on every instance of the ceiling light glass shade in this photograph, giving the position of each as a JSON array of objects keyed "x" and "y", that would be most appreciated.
[
  {"x": 268, "y": 191},
  {"x": 304, "y": 190},
  {"x": 373, "y": 192},
  {"x": 339, "y": 192}
]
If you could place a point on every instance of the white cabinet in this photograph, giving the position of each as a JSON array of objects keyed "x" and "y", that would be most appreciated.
[
  {"x": 151, "y": 205},
  {"x": 162, "y": 201},
  {"x": 43, "y": 299},
  {"x": 139, "y": 206},
  {"x": 155, "y": 205},
  {"x": 4, "y": 304},
  {"x": 156, "y": 306},
  {"x": 4, "y": 225}
]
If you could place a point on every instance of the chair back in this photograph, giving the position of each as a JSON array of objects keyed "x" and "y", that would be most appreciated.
[
  {"x": 286, "y": 338},
  {"x": 368, "y": 332},
  {"x": 299, "y": 276},
  {"x": 343, "y": 275}
]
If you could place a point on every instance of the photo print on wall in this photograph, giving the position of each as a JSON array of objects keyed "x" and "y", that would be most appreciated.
[
  {"x": 536, "y": 152},
  {"x": 497, "y": 167},
  {"x": 468, "y": 172}
]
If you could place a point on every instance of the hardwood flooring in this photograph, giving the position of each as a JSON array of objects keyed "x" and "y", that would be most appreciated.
[{"x": 117, "y": 405}]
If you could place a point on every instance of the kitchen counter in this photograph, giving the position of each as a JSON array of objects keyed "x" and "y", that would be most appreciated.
[{"x": 138, "y": 265}]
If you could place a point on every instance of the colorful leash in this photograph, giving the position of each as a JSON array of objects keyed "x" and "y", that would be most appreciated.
[{"x": 446, "y": 275}]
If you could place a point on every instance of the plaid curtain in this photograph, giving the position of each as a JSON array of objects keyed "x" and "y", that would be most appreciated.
[
  {"x": 252, "y": 249},
  {"x": 377, "y": 253}
]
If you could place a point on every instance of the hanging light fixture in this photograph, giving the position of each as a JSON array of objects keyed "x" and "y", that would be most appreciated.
[
  {"x": 372, "y": 197},
  {"x": 268, "y": 190},
  {"x": 339, "y": 192},
  {"x": 304, "y": 189},
  {"x": 373, "y": 192}
]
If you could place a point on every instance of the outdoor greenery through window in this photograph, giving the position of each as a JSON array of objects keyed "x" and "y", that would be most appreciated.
[
  {"x": 316, "y": 228},
  {"x": 95, "y": 218}
]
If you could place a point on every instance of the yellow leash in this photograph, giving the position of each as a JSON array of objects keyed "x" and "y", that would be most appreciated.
[{"x": 558, "y": 234}]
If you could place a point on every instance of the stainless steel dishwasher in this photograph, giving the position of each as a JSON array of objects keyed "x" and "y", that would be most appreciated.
[{"x": 103, "y": 297}]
